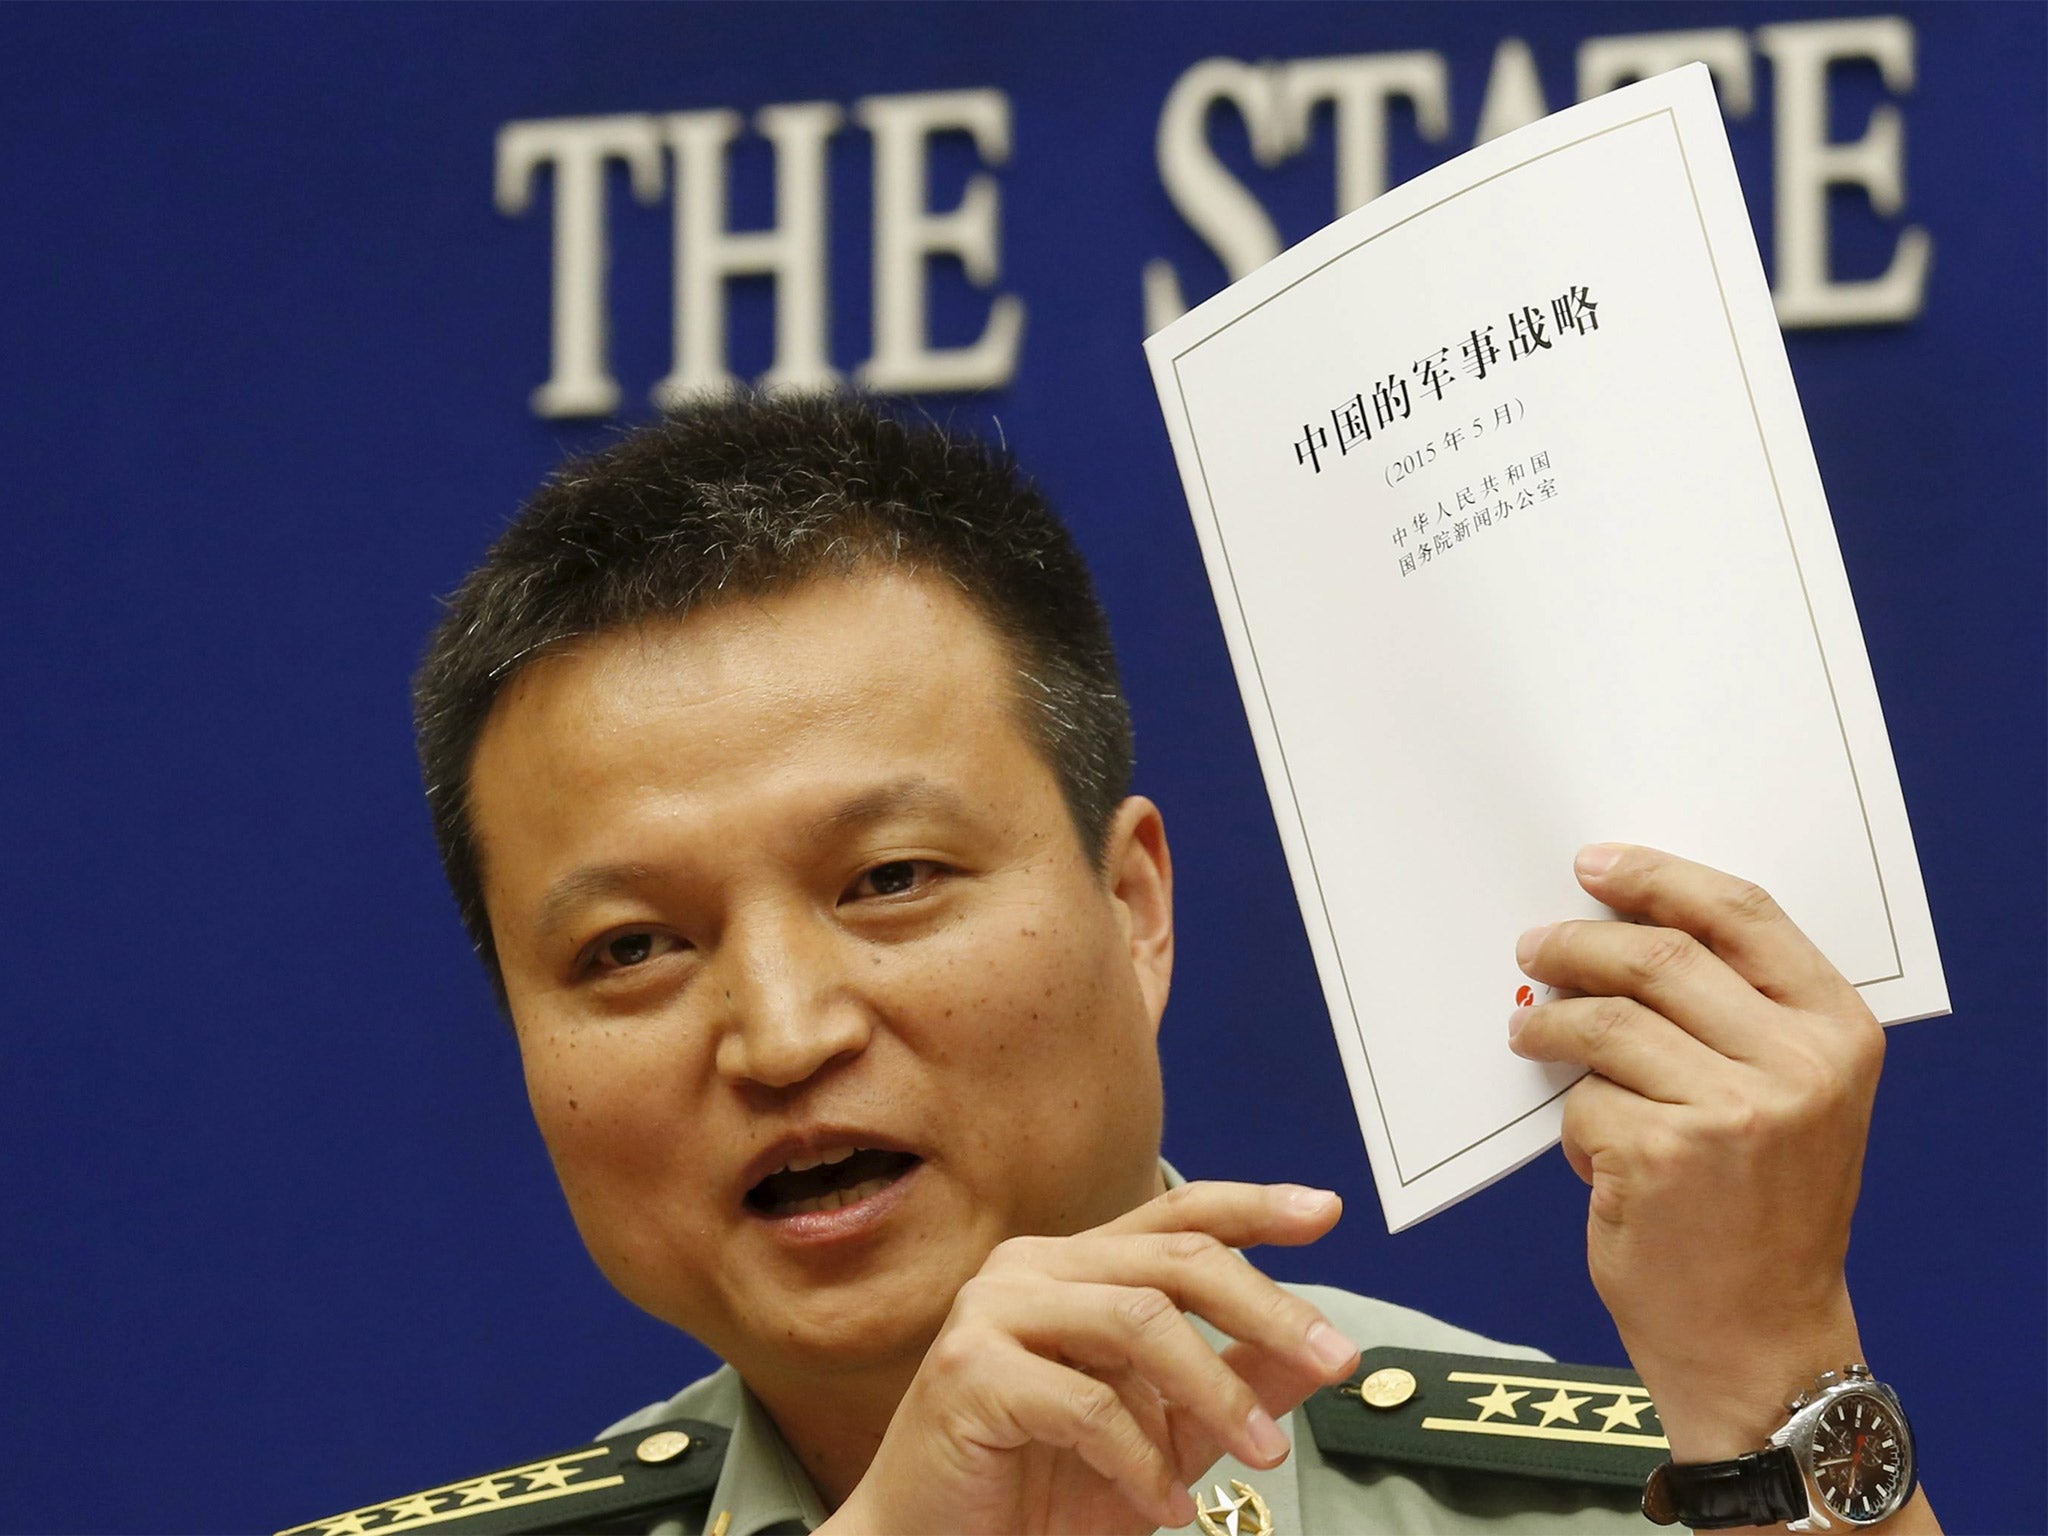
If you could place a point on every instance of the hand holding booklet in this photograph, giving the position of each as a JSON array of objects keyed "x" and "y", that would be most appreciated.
[{"x": 1519, "y": 544}]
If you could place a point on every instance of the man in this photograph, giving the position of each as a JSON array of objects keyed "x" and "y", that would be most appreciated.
[{"x": 781, "y": 771}]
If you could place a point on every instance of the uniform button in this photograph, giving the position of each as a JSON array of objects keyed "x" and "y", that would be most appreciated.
[
  {"x": 1388, "y": 1387},
  {"x": 666, "y": 1445}
]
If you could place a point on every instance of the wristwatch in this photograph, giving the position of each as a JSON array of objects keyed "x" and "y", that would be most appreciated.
[{"x": 1847, "y": 1451}]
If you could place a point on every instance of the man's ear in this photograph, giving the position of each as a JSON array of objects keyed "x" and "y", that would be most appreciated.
[{"x": 1138, "y": 869}]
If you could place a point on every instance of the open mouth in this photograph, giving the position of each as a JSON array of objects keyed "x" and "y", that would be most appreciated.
[{"x": 809, "y": 1184}]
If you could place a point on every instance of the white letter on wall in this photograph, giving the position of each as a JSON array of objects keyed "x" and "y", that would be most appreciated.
[
  {"x": 908, "y": 234},
  {"x": 1215, "y": 203},
  {"x": 1514, "y": 92},
  {"x": 1605, "y": 62},
  {"x": 580, "y": 381},
  {"x": 707, "y": 252},
  {"x": 1361, "y": 86},
  {"x": 1807, "y": 163},
  {"x": 1278, "y": 103}
]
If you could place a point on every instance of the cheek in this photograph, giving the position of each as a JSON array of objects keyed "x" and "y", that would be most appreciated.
[
  {"x": 1061, "y": 1073},
  {"x": 609, "y": 1107},
  {"x": 1038, "y": 1009},
  {"x": 605, "y": 1105}
]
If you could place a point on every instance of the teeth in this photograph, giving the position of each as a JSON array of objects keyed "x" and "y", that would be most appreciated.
[
  {"x": 834, "y": 1155},
  {"x": 835, "y": 1199}
]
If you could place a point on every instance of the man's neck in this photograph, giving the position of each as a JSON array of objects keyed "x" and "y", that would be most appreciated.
[{"x": 835, "y": 1428}]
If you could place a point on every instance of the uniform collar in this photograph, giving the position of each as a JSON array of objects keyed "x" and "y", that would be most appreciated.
[{"x": 762, "y": 1483}]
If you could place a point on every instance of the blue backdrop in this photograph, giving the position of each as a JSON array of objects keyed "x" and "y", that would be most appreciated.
[{"x": 278, "y": 1235}]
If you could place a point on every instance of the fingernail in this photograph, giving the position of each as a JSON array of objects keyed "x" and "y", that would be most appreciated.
[
  {"x": 1268, "y": 1440},
  {"x": 1516, "y": 1020},
  {"x": 1596, "y": 859},
  {"x": 1527, "y": 945},
  {"x": 1309, "y": 1202},
  {"x": 1183, "y": 1506},
  {"x": 1332, "y": 1350}
]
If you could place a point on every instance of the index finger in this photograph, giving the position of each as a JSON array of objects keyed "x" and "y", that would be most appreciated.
[
  {"x": 1735, "y": 918},
  {"x": 1238, "y": 1215}
]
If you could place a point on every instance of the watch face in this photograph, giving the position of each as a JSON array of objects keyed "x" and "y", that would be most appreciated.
[{"x": 1862, "y": 1457}]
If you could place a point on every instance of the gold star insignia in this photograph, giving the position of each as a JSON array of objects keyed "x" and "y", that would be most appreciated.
[
  {"x": 350, "y": 1524},
  {"x": 1500, "y": 1400},
  {"x": 1245, "y": 1515},
  {"x": 1227, "y": 1509},
  {"x": 485, "y": 1490},
  {"x": 553, "y": 1475},
  {"x": 1623, "y": 1410},
  {"x": 418, "y": 1507},
  {"x": 1563, "y": 1406}
]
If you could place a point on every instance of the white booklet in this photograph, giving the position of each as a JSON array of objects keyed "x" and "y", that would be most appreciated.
[{"x": 1519, "y": 544}]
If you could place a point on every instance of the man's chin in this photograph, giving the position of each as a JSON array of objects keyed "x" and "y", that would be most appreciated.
[{"x": 843, "y": 1331}]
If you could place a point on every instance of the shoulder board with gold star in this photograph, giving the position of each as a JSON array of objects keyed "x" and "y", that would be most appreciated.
[
  {"x": 612, "y": 1484},
  {"x": 1528, "y": 1418}
]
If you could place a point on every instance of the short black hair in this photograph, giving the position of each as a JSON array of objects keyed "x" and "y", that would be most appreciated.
[{"x": 750, "y": 494}]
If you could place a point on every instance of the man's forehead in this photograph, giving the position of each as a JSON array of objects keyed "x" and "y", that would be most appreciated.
[
  {"x": 859, "y": 690},
  {"x": 880, "y": 624}
]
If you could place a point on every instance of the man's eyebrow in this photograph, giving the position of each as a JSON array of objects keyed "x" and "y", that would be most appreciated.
[
  {"x": 582, "y": 885},
  {"x": 899, "y": 797}
]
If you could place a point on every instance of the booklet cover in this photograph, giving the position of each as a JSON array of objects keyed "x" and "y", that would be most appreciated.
[{"x": 1519, "y": 544}]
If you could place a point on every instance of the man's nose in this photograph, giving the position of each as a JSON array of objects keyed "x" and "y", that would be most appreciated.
[{"x": 779, "y": 983}]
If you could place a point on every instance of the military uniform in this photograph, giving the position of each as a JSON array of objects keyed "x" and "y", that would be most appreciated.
[
  {"x": 1481, "y": 1479},
  {"x": 1440, "y": 1430}
]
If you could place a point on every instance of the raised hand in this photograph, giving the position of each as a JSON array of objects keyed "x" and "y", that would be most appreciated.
[
  {"x": 1068, "y": 1392},
  {"x": 1722, "y": 1130}
]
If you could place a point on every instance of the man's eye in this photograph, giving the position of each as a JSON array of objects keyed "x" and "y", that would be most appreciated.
[
  {"x": 894, "y": 878},
  {"x": 626, "y": 950}
]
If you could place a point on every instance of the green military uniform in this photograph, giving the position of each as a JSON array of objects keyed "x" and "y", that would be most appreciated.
[
  {"x": 1439, "y": 1430},
  {"x": 1473, "y": 1436},
  {"x": 1320, "y": 1490}
]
